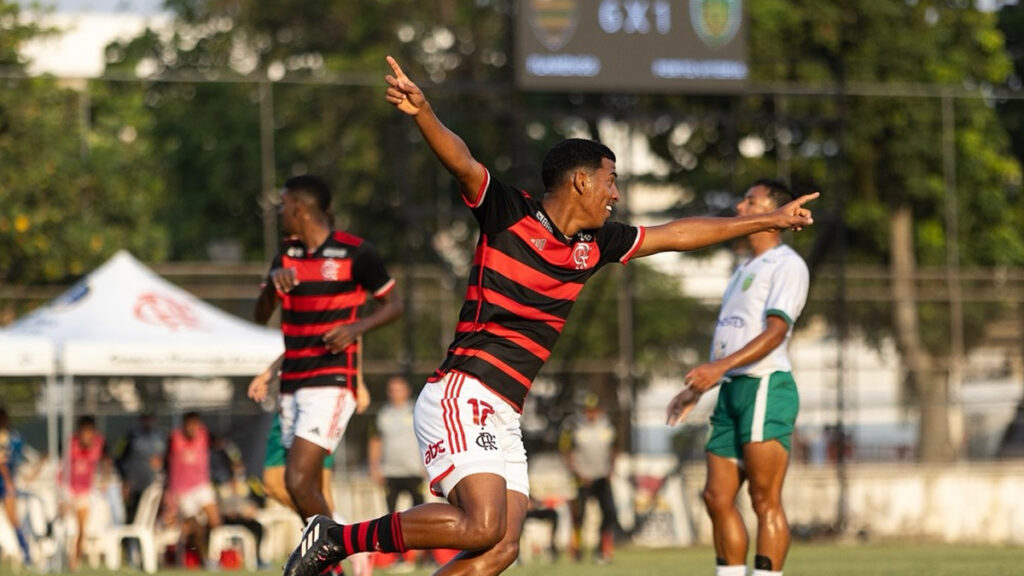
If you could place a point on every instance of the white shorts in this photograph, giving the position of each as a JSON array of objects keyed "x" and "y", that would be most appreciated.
[
  {"x": 192, "y": 501},
  {"x": 318, "y": 415},
  {"x": 464, "y": 428}
]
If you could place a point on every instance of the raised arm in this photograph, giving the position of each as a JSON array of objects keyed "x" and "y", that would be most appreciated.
[
  {"x": 449, "y": 148},
  {"x": 693, "y": 233}
]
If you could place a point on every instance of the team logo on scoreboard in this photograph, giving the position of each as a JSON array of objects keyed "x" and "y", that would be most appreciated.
[
  {"x": 716, "y": 21},
  {"x": 554, "y": 21}
]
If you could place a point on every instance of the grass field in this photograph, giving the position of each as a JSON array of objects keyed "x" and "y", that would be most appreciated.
[{"x": 804, "y": 560}]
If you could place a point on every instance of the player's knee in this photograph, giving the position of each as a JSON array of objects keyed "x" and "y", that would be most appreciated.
[
  {"x": 484, "y": 534},
  {"x": 715, "y": 498},
  {"x": 298, "y": 481},
  {"x": 764, "y": 501}
]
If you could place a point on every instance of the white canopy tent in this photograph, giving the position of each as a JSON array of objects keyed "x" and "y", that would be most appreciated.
[
  {"x": 32, "y": 356},
  {"x": 125, "y": 320},
  {"x": 26, "y": 355}
]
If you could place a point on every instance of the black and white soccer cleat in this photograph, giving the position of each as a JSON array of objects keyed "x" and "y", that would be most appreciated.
[{"x": 316, "y": 552}]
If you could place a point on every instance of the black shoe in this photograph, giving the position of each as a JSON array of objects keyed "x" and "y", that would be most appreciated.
[{"x": 316, "y": 551}]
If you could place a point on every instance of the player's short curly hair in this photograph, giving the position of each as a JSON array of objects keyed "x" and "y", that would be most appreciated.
[
  {"x": 314, "y": 186},
  {"x": 572, "y": 154}
]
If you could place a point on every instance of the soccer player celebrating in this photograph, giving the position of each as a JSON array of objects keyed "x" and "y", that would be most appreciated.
[
  {"x": 531, "y": 261},
  {"x": 321, "y": 277}
]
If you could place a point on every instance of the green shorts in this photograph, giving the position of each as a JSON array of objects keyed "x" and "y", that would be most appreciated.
[
  {"x": 753, "y": 409},
  {"x": 275, "y": 448}
]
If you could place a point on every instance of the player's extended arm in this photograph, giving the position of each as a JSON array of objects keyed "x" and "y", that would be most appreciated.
[
  {"x": 449, "y": 148},
  {"x": 699, "y": 232}
]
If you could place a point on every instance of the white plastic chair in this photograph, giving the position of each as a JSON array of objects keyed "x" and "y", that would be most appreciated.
[
  {"x": 222, "y": 538},
  {"x": 143, "y": 528},
  {"x": 9, "y": 548},
  {"x": 281, "y": 527}
]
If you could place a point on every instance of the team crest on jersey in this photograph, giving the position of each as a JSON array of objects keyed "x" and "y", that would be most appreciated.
[
  {"x": 748, "y": 281},
  {"x": 581, "y": 256},
  {"x": 716, "y": 21},
  {"x": 335, "y": 252},
  {"x": 329, "y": 269},
  {"x": 553, "y": 21}
]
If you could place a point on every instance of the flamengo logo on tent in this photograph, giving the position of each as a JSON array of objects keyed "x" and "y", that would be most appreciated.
[{"x": 162, "y": 310}]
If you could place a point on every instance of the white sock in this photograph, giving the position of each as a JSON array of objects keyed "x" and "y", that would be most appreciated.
[
  {"x": 767, "y": 573},
  {"x": 733, "y": 570}
]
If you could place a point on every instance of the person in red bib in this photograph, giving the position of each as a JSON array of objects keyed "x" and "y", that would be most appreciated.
[
  {"x": 84, "y": 456},
  {"x": 188, "y": 481}
]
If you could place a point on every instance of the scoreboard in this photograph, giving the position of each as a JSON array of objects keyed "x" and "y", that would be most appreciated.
[{"x": 667, "y": 46}]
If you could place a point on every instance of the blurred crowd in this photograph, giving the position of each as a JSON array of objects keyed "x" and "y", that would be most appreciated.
[
  {"x": 182, "y": 497},
  {"x": 176, "y": 487}
]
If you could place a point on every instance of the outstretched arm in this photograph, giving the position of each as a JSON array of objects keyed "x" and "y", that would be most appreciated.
[
  {"x": 692, "y": 233},
  {"x": 449, "y": 148}
]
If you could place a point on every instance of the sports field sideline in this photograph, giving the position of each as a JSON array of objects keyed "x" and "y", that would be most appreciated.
[{"x": 889, "y": 559}]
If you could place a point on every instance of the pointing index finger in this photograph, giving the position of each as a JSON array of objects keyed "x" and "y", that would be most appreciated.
[
  {"x": 807, "y": 198},
  {"x": 395, "y": 67}
]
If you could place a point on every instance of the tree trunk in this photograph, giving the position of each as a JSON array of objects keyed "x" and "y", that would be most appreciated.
[{"x": 930, "y": 389}]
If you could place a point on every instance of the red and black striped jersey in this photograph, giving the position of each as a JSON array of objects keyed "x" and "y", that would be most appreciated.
[
  {"x": 525, "y": 278},
  {"x": 332, "y": 284}
]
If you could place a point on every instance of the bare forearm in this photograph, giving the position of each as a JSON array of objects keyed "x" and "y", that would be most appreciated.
[
  {"x": 265, "y": 305},
  {"x": 384, "y": 314},
  {"x": 755, "y": 350},
  {"x": 448, "y": 146},
  {"x": 275, "y": 367},
  {"x": 699, "y": 232},
  {"x": 707, "y": 376},
  {"x": 373, "y": 453}
]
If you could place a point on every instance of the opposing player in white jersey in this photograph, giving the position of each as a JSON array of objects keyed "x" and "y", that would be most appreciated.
[{"x": 752, "y": 425}]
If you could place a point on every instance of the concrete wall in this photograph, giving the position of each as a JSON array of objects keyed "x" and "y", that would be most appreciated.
[{"x": 962, "y": 503}]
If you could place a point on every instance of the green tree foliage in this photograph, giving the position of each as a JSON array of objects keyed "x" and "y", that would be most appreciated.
[
  {"x": 327, "y": 63},
  {"x": 76, "y": 182},
  {"x": 891, "y": 156}
]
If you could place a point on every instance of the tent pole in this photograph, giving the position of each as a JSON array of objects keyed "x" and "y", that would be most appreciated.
[{"x": 52, "y": 398}]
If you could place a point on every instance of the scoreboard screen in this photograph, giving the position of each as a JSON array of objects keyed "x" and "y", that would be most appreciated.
[{"x": 631, "y": 45}]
